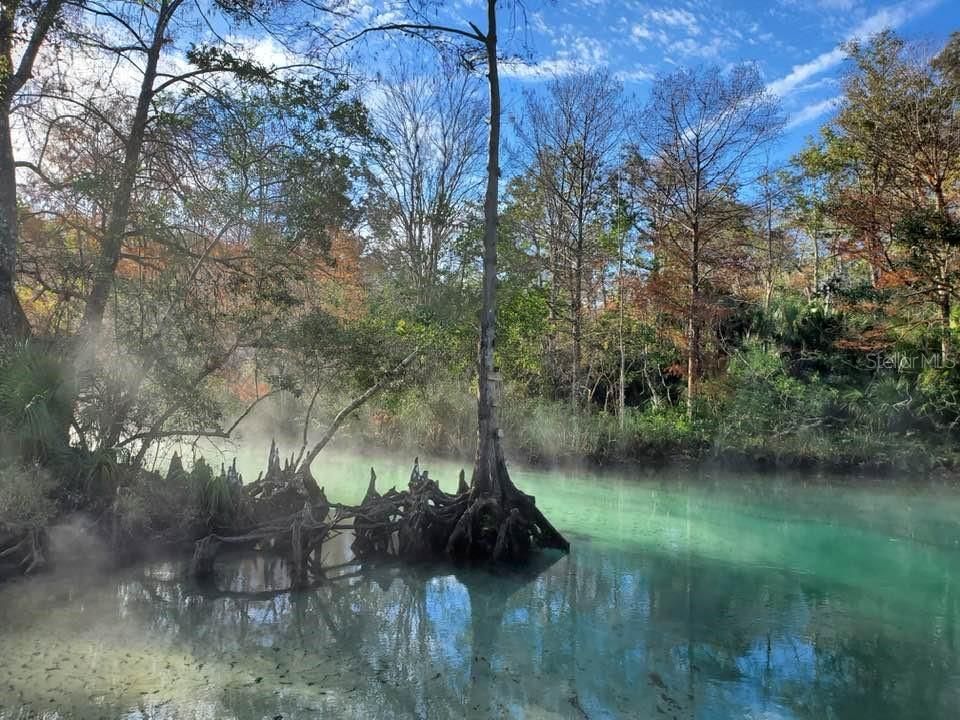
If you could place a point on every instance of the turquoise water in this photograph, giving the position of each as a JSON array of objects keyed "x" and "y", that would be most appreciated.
[{"x": 709, "y": 597}]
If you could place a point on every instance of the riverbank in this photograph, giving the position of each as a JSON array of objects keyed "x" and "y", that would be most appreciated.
[
  {"x": 139, "y": 511},
  {"x": 547, "y": 434},
  {"x": 801, "y": 468},
  {"x": 284, "y": 512}
]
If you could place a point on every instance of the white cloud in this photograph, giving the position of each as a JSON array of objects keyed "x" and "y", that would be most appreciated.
[
  {"x": 889, "y": 17},
  {"x": 682, "y": 19},
  {"x": 892, "y": 16},
  {"x": 828, "y": 81},
  {"x": 812, "y": 112},
  {"x": 656, "y": 23},
  {"x": 695, "y": 48},
  {"x": 554, "y": 67},
  {"x": 578, "y": 53},
  {"x": 800, "y": 73},
  {"x": 264, "y": 50},
  {"x": 637, "y": 74},
  {"x": 589, "y": 50},
  {"x": 541, "y": 25},
  {"x": 642, "y": 31},
  {"x": 682, "y": 33}
]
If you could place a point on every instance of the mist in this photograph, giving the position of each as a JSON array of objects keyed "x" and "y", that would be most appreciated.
[{"x": 461, "y": 360}]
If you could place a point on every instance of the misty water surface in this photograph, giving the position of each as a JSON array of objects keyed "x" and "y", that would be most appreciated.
[{"x": 706, "y": 597}]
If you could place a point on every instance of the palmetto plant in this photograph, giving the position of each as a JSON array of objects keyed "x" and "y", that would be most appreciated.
[
  {"x": 98, "y": 473},
  {"x": 35, "y": 403},
  {"x": 884, "y": 404},
  {"x": 216, "y": 499}
]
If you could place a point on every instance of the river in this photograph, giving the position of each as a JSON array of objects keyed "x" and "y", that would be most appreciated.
[{"x": 685, "y": 595}]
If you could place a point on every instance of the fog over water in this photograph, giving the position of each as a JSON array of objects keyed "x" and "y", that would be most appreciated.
[{"x": 689, "y": 597}]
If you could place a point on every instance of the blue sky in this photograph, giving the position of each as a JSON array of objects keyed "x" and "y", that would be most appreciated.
[{"x": 794, "y": 42}]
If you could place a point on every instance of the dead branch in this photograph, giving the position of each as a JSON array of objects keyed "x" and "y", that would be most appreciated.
[{"x": 342, "y": 416}]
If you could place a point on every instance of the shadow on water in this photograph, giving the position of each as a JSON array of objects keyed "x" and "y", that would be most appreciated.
[{"x": 598, "y": 634}]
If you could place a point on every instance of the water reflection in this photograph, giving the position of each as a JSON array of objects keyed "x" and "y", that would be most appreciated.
[
  {"x": 715, "y": 598},
  {"x": 600, "y": 634}
]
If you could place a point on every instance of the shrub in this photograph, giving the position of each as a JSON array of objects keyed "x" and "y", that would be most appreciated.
[
  {"x": 769, "y": 410},
  {"x": 35, "y": 404},
  {"x": 214, "y": 500},
  {"x": 25, "y": 496}
]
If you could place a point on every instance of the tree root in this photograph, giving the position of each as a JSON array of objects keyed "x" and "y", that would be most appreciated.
[
  {"x": 23, "y": 550},
  {"x": 486, "y": 521}
]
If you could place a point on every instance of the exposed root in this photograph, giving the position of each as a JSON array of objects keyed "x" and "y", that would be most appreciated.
[
  {"x": 489, "y": 520},
  {"x": 23, "y": 549}
]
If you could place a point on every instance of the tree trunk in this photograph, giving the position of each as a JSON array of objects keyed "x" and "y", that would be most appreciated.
[
  {"x": 621, "y": 380},
  {"x": 120, "y": 206},
  {"x": 771, "y": 270},
  {"x": 693, "y": 334},
  {"x": 691, "y": 370},
  {"x": 556, "y": 384},
  {"x": 498, "y": 522},
  {"x": 13, "y": 323},
  {"x": 944, "y": 327},
  {"x": 575, "y": 309},
  {"x": 489, "y": 452},
  {"x": 816, "y": 261}
]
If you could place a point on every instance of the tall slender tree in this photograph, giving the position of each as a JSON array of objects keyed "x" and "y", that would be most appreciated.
[
  {"x": 29, "y": 24},
  {"x": 572, "y": 136},
  {"x": 699, "y": 133},
  {"x": 499, "y": 521}
]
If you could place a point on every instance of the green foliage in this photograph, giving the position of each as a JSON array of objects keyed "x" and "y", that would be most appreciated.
[
  {"x": 543, "y": 431},
  {"x": 214, "y": 58},
  {"x": 947, "y": 62},
  {"x": 938, "y": 398},
  {"x": 251, "y": 274},
  {"x": 918, "y": 229},
  {"x": 522, "y": 323},
  {"x": 767, "y": 404},
  {"x": 180, "y": 503},
  {"x": 216, "y": 501},
  {"x": 35, "y": 403},
  {"x": 98, "y": 474},
  {"x": 804, "y": 327},
  {"x": 439, "y": 418},
  {"x": 774, "y": 416},
  {"x": 25, "y": 495}
]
